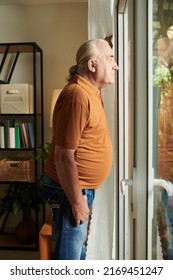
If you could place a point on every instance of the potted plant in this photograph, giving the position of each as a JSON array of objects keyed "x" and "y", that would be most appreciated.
[
  {"x": 41, "y": 152},
  {"x": 22, "y": 197},
  {"x": 17, "y": 197}
]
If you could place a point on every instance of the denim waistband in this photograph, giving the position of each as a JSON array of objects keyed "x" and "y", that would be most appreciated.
[{"x": 50, "y": 182}]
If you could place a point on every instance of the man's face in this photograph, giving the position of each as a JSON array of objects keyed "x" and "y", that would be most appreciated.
[{"x": 106, "y": 66}]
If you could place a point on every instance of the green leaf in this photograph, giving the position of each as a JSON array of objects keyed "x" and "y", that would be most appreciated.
[
  {"x": 17, "y": 206},
  {"x": 161, "y": 75},
  {"x": 41, "y": 152}
]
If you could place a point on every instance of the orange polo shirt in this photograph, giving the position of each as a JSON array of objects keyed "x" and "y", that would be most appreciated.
[{"x": 79, "y": 123}]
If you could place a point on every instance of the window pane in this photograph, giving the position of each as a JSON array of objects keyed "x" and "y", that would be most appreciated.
[{"x": 163, "y": 124}]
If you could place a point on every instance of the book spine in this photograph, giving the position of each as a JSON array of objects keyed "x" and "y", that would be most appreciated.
[
  {"x": 7, "y": 124},
  {"x": 2, "y": 137},
  {"x": 25, "y": 135},
  {"x": 17, "y": 137},
  {"x": 31, "y": 134},
  {"x": 28, "y": 135},
  {"x": 11, "y": 137},
  {"x": 22, "y": 140}
]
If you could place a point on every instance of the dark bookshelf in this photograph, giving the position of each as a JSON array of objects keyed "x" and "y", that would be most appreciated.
[{"x": 35, "y": 55}]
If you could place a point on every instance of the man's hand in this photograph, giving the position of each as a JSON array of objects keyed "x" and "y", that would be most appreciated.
[
  {"x": 81, "y": 211},
  {"x": 68, "y": 177}
]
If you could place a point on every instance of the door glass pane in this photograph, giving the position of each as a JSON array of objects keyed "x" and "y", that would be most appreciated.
[
  {"x": 163, "y": 126},
  {"x": 125, "y": 24}
]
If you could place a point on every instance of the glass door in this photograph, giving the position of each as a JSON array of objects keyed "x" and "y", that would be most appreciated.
[
  {"x": 145, "y": 51},
  {"x": 160, "y": 156},
  {"x": 133, "y": 148},
  {"x": 126, "y": 218}
]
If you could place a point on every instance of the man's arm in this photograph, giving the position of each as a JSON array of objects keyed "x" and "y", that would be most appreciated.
[{"x": 68, "y": 176}]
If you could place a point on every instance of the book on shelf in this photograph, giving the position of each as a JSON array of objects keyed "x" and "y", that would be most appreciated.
[
  {"x": 28, "y": 132},
  {"x": 7, "y": 124},
  {"x": 31, "y": 134},
  {"x": 11, "y": 137},
  {"x": 22, "y": 140},
  {"x": 15, "y": 134},
  {"x": 17, "y": 137},
  {"x": 25, "y": 135},
  {"x": 2, "y": 137}
]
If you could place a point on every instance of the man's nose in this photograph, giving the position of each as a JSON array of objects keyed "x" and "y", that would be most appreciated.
[{"x": 116, "y": 66}]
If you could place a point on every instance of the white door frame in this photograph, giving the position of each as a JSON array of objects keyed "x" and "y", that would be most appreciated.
[
  {"x": 150, "y": 130},
  {"x": 141, "y": 129},
  {"x": 140, "y": 184}
]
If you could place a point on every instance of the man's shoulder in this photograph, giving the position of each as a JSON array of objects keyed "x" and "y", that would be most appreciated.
[{"x": 76, "y": 92}]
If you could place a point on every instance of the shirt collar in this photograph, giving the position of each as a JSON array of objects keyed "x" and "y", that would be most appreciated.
[{"x": 86, "y": 85}]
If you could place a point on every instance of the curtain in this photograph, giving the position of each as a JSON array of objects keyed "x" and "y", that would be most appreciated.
[{"x": 101, "y": 239}]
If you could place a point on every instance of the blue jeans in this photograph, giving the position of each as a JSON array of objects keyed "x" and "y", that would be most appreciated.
[{"x": 70, "y": 240}]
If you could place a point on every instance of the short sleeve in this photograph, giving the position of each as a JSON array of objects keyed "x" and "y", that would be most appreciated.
[{"x": 69, "y": 121}]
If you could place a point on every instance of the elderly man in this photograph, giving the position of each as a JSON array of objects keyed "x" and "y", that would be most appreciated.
[{"x": 81, "y": 155}]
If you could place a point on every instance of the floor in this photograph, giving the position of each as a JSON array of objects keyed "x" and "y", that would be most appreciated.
[
  {"x": 9, "y": 241},
  {"x": 18, "y": 255}
]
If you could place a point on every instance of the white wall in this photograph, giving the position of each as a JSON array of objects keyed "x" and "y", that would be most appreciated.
[{"x": 58, "y": 29}]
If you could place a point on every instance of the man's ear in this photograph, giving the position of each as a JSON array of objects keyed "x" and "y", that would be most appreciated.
[{"x": 91, "y": 65}]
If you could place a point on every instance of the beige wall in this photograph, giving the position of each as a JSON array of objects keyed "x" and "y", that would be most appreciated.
[{"x": 58, "y": 29}]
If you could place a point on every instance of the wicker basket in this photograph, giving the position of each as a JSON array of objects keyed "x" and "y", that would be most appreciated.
[{"x": 17, "y": 170}]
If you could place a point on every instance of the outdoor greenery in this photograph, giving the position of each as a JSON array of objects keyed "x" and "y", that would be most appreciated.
[{"x": 161, "y": 75}]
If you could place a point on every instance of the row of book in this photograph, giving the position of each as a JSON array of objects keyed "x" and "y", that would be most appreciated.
[{"x": 14, "y": 134}]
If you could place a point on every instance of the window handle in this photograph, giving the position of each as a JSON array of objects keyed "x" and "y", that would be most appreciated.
[
  {"x": 124, "y": 184},
  {"x": 168, "y": 186}
]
